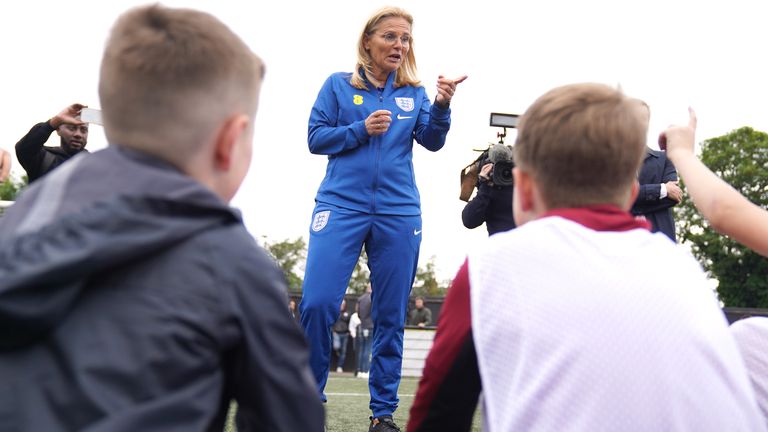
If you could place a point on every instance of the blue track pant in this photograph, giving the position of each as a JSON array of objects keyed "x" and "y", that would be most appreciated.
[{"x": 336, "y": 239}]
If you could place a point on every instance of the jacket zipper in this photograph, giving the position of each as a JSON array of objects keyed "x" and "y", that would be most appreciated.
[{"x": 378, "y": 156}]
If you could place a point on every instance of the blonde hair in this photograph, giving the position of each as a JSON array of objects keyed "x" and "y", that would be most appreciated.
[
  {"x": 583, "y": 144},
  {"x": 406, "y": 73},
  {"x": 170, "y": 77}
]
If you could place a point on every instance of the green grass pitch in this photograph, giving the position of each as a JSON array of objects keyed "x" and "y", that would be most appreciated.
[{"x": 347, "y": 408}]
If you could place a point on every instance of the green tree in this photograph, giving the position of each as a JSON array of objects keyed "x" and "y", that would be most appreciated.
[
  {"x": 9, "y": 190},
  {"x": 426, "y": 283},
  {"x": 291, "y": 257},
  {"x": 741, "y": 159},
  {"x": 360, "y": 275}
]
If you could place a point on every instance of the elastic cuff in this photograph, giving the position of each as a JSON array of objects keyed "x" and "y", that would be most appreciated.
[{"x": 445, "y": 112}]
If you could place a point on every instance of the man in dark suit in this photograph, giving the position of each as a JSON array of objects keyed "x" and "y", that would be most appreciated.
[{"x": 659, "y": 192}]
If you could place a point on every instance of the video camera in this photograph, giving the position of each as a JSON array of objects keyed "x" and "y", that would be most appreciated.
[{"x": 500, "y": 155}]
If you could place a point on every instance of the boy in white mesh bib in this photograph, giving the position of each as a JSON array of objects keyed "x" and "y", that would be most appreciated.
[{"x": 581, "y": 319}]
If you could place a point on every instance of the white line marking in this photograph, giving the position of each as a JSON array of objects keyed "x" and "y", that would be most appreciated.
[{"x": 362, "y": 394}]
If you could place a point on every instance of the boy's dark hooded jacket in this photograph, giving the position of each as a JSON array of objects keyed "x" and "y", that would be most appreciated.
[{"x": 133, "y": 299}]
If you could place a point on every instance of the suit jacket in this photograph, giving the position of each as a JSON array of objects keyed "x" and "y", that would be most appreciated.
[{"x": 656, "y": 169}]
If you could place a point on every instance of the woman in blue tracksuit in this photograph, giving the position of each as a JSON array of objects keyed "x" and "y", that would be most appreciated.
[{"x": 366, "y": 122}]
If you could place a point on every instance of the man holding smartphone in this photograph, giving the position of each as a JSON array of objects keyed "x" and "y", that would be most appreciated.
[{"x": 38, "y": 159}]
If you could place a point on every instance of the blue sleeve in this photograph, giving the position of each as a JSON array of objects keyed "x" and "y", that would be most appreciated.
[
  {"x": 326, "y": 136},
  {"x": 432, "y": 125}
]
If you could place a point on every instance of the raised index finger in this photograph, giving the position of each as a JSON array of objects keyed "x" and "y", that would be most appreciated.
[
  {"x": 692, "y": 118},
  {"x": 460, "y": 79}
]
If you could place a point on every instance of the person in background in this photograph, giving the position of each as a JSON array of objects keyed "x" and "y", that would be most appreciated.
[
  {"x": 354, "y": 329},
  {"x": 38, "y": 159},
  {"x": 420, "y": 316},
  {"x": 364, "y": 333},
  {"x": 492, "y": 204},
  {"x": 294, "y": 311},
  {"x": 659, "y": 188},
  {"x": 535, "y": 353},
  {"x": 132, "y": 296},
  {"x": 365, "y": 122},
  {"x": 340, "y": 336}
]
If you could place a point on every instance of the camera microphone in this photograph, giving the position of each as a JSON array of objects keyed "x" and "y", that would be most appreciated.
[
  {"x": 501, "y": 157},
  {"x": 499, "y": 153}
]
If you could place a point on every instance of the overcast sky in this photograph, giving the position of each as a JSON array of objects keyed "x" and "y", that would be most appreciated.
[{"x": 706, "y": 54}]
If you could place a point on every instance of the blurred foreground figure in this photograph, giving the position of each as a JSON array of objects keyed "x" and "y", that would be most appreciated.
[
  {"x": 131, "y": 296},
  {"x": 559, "y": 322}
]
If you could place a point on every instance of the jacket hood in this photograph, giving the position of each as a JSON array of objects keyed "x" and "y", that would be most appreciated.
[{"x": 45, "y": 266}]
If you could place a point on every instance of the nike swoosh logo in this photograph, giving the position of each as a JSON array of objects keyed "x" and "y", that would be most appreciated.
[
  {"x": 402, "y": 117},
  {"x": 416, "y": 232}
]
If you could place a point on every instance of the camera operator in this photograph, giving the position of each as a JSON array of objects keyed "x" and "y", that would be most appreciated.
[
  {"x": 493, "y": 202},
  {"x": 38, "y": 159}
]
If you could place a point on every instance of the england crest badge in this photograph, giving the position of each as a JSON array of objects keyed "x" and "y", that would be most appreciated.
[
  {"x": 404, "y": 103},
  {"x": 321, "y": 220}
]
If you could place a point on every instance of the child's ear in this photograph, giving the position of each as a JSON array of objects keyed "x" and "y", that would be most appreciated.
[
  {"x": 226, "y": 140},
  {"x": 524, "y": 197}
]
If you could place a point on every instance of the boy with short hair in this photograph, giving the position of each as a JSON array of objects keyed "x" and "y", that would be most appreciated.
[
  {"x": 132, "y": 297},
  {"x": 567, "y": 323}
]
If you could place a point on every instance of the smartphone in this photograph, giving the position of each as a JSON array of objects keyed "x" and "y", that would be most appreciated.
[{"x": 90, "y": 115}]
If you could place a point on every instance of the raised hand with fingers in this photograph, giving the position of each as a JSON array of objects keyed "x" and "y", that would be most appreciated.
[
  {"x": 485, "y": 172},
  {"x": 68, "y": 116},
  {"x": 726, "y": 209},
  {"x": 378, "y": 122},
  {"x": 678, "y": 138},
  {"x": 446, "y": 89}
]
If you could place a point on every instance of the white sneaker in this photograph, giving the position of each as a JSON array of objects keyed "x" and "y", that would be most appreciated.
[
  {"x": 363, "y": 375},
  {"x": 339, "y": 370}
]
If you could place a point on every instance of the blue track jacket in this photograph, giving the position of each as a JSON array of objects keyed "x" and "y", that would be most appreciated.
[{"x": 373, "y": 174}]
